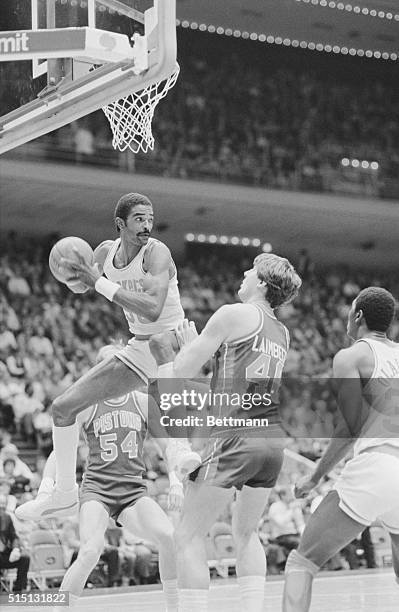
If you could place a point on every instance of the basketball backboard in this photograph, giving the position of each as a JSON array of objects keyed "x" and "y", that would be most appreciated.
[{"x": 93, "y": 52}]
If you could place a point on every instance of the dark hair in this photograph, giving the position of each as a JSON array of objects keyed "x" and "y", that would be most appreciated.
[
  {"x": 126, "y": 203},
  {"x": 378, "y": 306}
]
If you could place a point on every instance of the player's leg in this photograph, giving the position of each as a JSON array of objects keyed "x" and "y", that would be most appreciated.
[
  {"x": 146, "y": 519},
  {"x": 178, "y": 451},
  {"x": 203, "y": 504},
  {"x": 110, "y": 378},
  {"x": 327, "y": 531},
  {"x": 250, "y": 554},
  {"x": 93, "y": 523}
]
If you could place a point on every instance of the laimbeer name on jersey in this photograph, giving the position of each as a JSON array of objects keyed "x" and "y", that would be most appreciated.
[{"x": 252, "y": 365}]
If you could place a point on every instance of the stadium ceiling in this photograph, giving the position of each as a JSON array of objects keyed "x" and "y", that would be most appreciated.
[{"x": 369, "y": 25}]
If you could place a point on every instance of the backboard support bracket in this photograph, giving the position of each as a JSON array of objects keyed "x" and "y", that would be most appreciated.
[{"x": 65, "y": 100}]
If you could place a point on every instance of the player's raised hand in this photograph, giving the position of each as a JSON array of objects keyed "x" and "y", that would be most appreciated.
[
  {"x": 84, "y": 272},
  {"x": 304, "y": 486},
  {"x": 186, "y": 332},
  {"x": 176, "y": 497}
]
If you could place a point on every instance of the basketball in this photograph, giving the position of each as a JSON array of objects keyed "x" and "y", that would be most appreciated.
[{"x": 64, "y": 248}]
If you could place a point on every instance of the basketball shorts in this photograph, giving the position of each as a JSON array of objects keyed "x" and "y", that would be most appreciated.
[
  {"x": 114, "y": 497},
  {"x": 138, "y": 357},
  {"x": 368, "y": 489},
  {"x": 238, "y": 461}
]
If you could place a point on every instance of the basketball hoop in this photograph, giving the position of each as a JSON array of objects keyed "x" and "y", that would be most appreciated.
[{"x": 131, "y": 117}]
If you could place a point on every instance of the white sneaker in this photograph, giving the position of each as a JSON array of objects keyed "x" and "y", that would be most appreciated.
[
  {"x": 48, "y": 505},
  {"x": 181, "y": 458}
]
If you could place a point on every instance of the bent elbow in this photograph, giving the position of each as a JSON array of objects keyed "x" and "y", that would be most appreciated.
[{"x": 153, "y": 315}]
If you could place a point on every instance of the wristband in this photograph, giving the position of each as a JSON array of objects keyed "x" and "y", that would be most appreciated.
[{"x": 106, "y": 287}]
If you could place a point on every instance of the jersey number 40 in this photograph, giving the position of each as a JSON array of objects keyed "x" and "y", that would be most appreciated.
[{"x": 259, "y": 372}]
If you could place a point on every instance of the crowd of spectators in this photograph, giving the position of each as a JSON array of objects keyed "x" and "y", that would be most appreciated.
[
  {"x": 49, "y": 337},
  {"x": 263, "y": 115}
]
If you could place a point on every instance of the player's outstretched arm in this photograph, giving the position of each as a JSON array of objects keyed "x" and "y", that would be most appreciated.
[
  {"x": 194, "y": 355},
  {"x": 350, "y": 408},
  {"x": 150, "y": 302}
]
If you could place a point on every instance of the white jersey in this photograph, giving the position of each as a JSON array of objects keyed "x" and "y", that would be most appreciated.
[
  {"x": 381, "y": 395},
  {"x": 131, "y": 278}
]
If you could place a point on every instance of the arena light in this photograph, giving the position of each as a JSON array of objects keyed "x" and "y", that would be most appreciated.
[
  {"x": 303, "y": 44},
  {"x": 357, "y": 163},
  {"x": 340, "y": 6},
  {"x": 223, "y": 239},
  {"x": 267, "y": 247}
]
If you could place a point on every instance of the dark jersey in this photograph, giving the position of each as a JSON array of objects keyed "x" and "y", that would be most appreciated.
[
  {"x": 115, "y": 434},
  {"x": 247, "y": 372}
]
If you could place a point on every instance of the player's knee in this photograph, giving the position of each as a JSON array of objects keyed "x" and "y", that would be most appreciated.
[
  {"x": 242, "y": 535},
  {"x": 90, "y": 553},
  {"x": 298, "y": 563},
  {"x": 161, "y": 347},
  {"x": 62, "y": 416},
  {"x": 182, "y": 538},
  {"x": 165, "y": 537}
]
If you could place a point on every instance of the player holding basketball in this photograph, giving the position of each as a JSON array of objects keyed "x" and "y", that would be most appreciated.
[
  {"x": 367, "y": 377},
  {"x": 140, "y": 276},
  {"x": 250, "y": 347},
  {"x": 113, "y": 486}
]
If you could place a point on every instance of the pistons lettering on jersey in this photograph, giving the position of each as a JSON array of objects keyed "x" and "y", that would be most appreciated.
[
  {"x": 132, "y": 285},
  {"x": 115, "y": 420},
  {"x": 264, "y": 345}
]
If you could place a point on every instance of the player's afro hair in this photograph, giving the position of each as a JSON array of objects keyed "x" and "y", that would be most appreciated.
[
  {"x": 126, "y": 203},
  {"x": 280, "y": 277},
  {"x": 378, "y": 307}
]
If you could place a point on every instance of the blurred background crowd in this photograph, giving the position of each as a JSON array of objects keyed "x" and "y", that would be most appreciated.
[{"x": 49, "y": 337}]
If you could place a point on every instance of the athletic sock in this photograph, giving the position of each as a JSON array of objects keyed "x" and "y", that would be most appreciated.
[
  {"x": 170, "y": 594},
  {"x": 73, "y": 600},
  {"x": 193, "y": 600},
  {"x": 252, "y": 593},
  {"x": 65, "y": 441}
]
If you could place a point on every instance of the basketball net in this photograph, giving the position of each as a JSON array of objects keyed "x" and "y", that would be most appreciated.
[{"x": 130, "y": 118}]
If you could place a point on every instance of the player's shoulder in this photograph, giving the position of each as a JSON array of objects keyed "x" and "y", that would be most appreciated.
[
  {"x": 157, "y": 256},
  {"x": 141, "y": 400},
  {"x": 236, "y": 320},
  {"x": 356, "y": 355},
  {"x": 157, "y": 248},
  {"x": 102, "y": 250},
  {"x": 238, "y": 311}
]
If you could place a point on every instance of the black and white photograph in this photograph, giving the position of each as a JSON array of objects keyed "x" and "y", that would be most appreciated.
[{"x": 199, "y": 305}]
